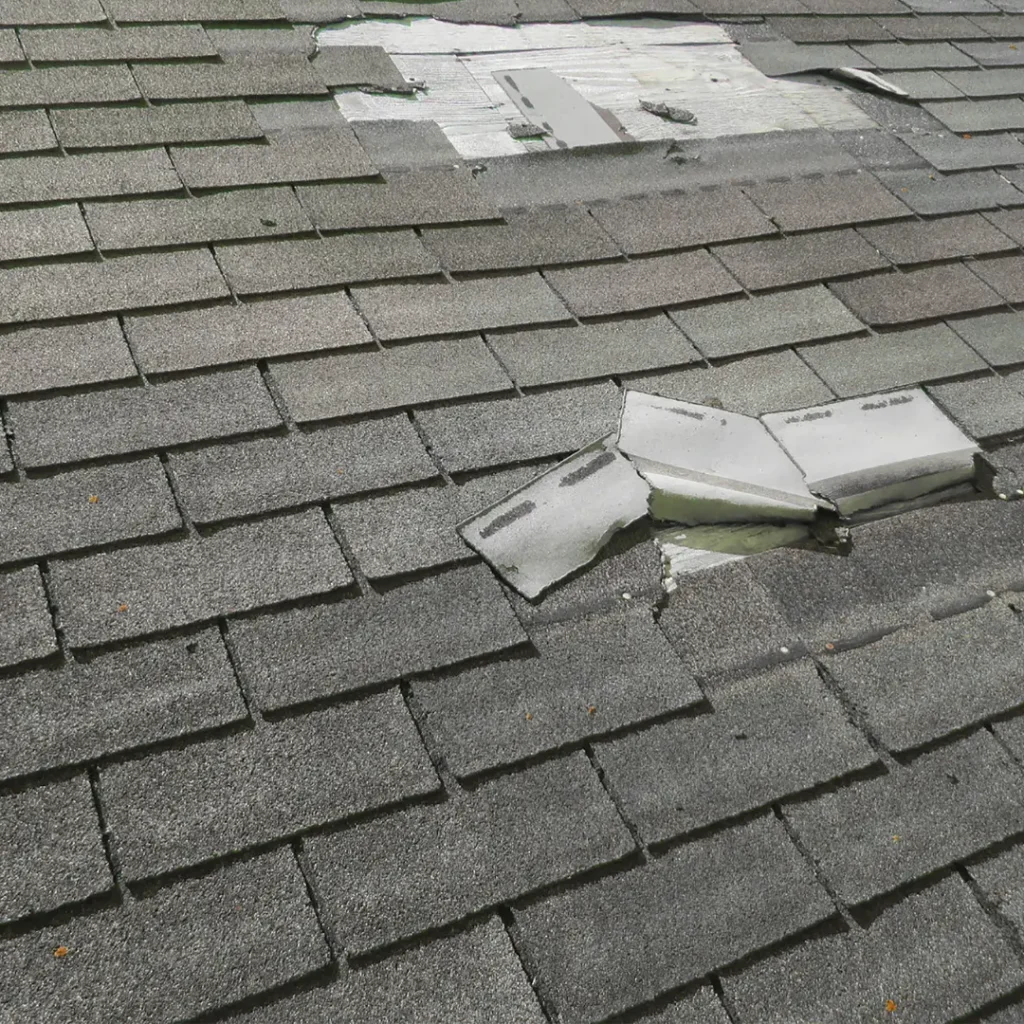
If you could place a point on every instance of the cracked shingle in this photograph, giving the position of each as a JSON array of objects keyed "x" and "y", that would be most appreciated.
[{"x": 28, "y": 628}]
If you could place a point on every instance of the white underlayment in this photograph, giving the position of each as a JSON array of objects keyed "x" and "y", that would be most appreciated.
[{"x": 612, "y": 65}]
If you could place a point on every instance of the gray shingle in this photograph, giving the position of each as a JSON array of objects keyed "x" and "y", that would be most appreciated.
[
  {"x": 876, "y": 836},
  {"x": 54, "y": 849},
  {"x": 427, "y": 866},
  {"x": 291, "y": 154},
  {"x": 55, "y": 514},
  {"x": 146, "y": 126},
  {"x": 489, "y": 433},
  {"x": 766, "y": 321},
  {"x": 1005, "y": 275},
  {"x": 308, "y": 653},
  {"x": 239, "y": 74},
  {"x": 535, "y": 237},
  {"x": 932, "y": 193},
  {"x": 998, "y": 337},
  {"x": 913, "y": 688},
  {"x": 907, "y": 56},
  {"x": 918, "y": 295},
  {"x": 262, "y": 39},
  {"x": 194, "y": 10},
  {"x": 700, "y": 906},
  {"x": 1000, "y": 880},
  {"x": 175, "y": 584},
  {"x": 646, "y": 283},
  {"x": 310, "y": 12},
  {"x": 360, "y": 382},
  {"x": 993, "y": 54},
  {"x": 247, "y": 213},
  {"x": 54, "y": 290},
  {"x": 247, "y": 928},
  {"x": 407, "y": 198},
  {"x": 921, "y": 241},
  {"x": 771, "y": 735},
  {"x": 935, "y": 955},
  {"x": 984, "y": 407},
  {"x": 10, "y": 51},
  {"x": 859, "y": 366},
  {"x": 415, "y": 529},
  {"x": 50, "y": 12},
  {"x": 933, "y": 26},
  {"x": 653, "y": 222},
  {"x": 952, "y": 153},
  {"x": 981, "y": 84},
  {"x": 28, "y": 628},
  {"x": 405, "y": 144},
  {"x": 826, "y": 202},
  {"x": 45, "y": 179},
  {"x": 1010, "y": 222},
  {"x": 995, "y": 115},
  {"x": 186, "y": 806},
  {"x": 774, "y": 263},
  {"x": 487, "y": 12},
  {"x": 1007, "y": 26},
  {"x": 70, "y": 428},
  {"x": 117, "y": 702},
  {"x": 340, "y": 66},
  {"x": 225, "y": 481},
  {"x": 242, "y": 333},
  {"x": 591, "y": 676},
  {"x": 754, "y": 385},
  {"x": 149, "y": 42},
  {"x": 22, "y": 131},
  {"x": 48, "y": 87},
  {"x": 48, "y": 231},
  {"x": 417, "y": 310},
  {"x": 483, "y": 981},
  {"x": 38, "y": 358},
  {"x": 923, "y": 85},
  {"x": 628, "y": 345},
  {"x": 831, "y": 29},
  {"x": 284, "y": 266},
  {"x": 723, "y": 623}
]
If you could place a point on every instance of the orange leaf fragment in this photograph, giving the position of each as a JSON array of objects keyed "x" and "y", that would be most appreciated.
[
  {"x": 830, "y": 647},
  {"x": 967, "y": 135},
  {"x": 93, "y": 498},
  {"x": 591, "y": 710},
  {"x": 890, "y": 1006},
  {"x": 122, "y": 607},
  {"x": 529, "y": 717},
  {"x": 60, "y": 951}
]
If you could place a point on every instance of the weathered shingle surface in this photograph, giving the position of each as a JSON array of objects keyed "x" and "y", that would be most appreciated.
[{"x": 277, "y": 747}]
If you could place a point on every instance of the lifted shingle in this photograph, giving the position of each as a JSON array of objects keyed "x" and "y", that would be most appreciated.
[{"x": 28, "y": 628}]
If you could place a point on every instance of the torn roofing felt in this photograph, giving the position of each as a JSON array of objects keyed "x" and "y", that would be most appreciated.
[{"x": 738, "y": 484}]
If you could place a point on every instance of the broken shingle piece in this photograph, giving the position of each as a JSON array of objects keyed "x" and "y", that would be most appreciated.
[{"x": 559, "y": 522}]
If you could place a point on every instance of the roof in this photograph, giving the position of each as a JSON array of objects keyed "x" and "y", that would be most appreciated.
[{"x": 276, "y": 747}]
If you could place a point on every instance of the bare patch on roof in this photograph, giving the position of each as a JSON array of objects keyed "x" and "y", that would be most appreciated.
[{"x": 578, "y": 84}]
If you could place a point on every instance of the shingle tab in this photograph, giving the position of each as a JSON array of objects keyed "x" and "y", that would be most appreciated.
[
  {"x": 918, "y": 295},
  {"x": 10, "y": 51},
  {"x": 995, "y": 115},
  {"x": 650, "y": 223},
  {"x": 1010, "y": 222},
  {"x": 291, "y": 154},
  {"x": 796, "y": 260},
  {"x": 149, "y": 42},
  {"x": 647, "y": 283},
  {"x": 45, "y": 179},
  {"x": 826, "y": 202},
  {"x": 50, "y": 12},
  {"x": 983, "y": 407},
  {"x": 907, "y": 56},
  {"x": 48, "y": 231},
  {"x": 116, "y": 702},
  {"x": 186, "y": 806},
  {"x": 247, "y": 928},
  {"x": 407, "y": 198},
  {"x": 28, "y": 628},
  {"x": 982, "y": 84},
  {"x": 360, "y": 382},
  {"x": 952, "y": 153},
  {"x": 56, "y": 514},
  {"x": 22, "y": 131},
  {"x": 281, "y": 472},
  {"x": 932, "y": 193},
  {"x": 194, "y": 10},
  {"x": 241, "y": 333},
  {"x": 1005, "y": 275},
  {"x": 417, "y": 310},
  {"x": 839, "y": 29},
  {"x": 935, "y": 954},
  {"x": 482, "y": 976},
  {"x": 949, "y": 688},
  {"x": 238, "y": 74},
  {"x": 48, "y": 87},
  {"x": 488, "y": 433},
  {"x": 422, "y": 868},
  {"x": 700, "y": 906},
  {"x": 146, "y": 126},
  {"x": 766, "y": 321},
  {"x": 38, "y": 358},
  {"x": 770, "y": 735},
  {"x": 70, "y": 428},
  {"x": 54, "y": 850},
  {"x": 55, "y": 290},
  {"x": 998, "y": 337},
  {"x": 993, "y": 54},
  {"x": 555, "y": 354},
  {"x": 317, "y": 652},
  {"x": 288, "y": 265},
  {"x": 175, "y": 584},
  {"x": 933, "y": 26},
  {"x": 592, "y": 676},
  {"x": 360, "y": 66},
  {"x": 247, "y": 213},
  {"x": 921, "y": 241},
  {"x": 860, "y": 366}
]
